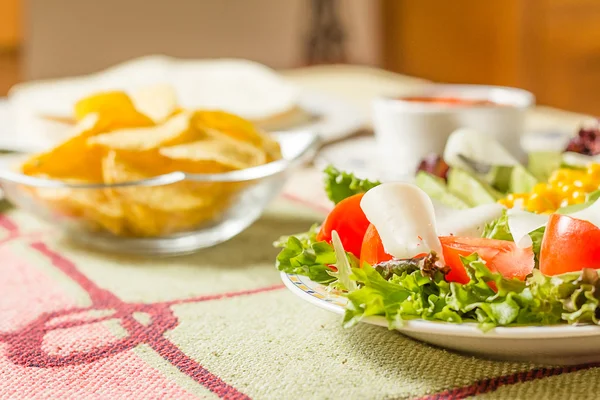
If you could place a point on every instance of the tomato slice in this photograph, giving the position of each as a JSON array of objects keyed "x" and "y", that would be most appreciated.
[
  {"x": 349, "y": 221},
  {"x": 372, "y": 251},
  {"x": 569, "y": 244},
  {"x": 501, "y": 256}
]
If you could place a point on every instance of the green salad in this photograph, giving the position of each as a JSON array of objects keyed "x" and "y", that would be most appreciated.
[{"x": 383, "y": 247}]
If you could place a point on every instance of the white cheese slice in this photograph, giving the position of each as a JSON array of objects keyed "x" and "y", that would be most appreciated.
[
  {"x": 470, "y": 222},
  {"x": 579, "y": 160},
  {"x": 590, "y": 214},
  {"x": 477, "y": 146},
  {"x": 404, "y": 217},
  {"x": 522, "y": 223}
]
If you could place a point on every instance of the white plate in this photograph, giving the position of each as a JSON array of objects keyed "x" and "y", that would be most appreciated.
[
  {"x": 12, "y": 140},
  {"x": 559, "y": 344},
  {"x": 361, "y": 155},
  {"x": 335, "y": 119}
]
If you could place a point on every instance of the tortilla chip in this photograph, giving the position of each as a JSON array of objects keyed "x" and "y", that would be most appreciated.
[
  {"x": 158, "y": 102},
  {"x": 114, "y": 106},
  {"x": 120, "y": 139},
  {"x": 71, "y": 159},
  {"x": 101, "y": 209},
  {"x": 92, "y": 207},
  {"x": 143, "y": 221},
  {"x": 237, "y": 128},
  {"x": 74, "y": 159},
  {"x": 174, "y": 197},
  {"x": 174, "y": 131},
  {"x": 160, "y": 210},
  {"x": 226, "y": 151}
]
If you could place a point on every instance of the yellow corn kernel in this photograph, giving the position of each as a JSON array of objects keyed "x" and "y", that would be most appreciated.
[
  {"x": 567, "y": 190},
  {"x": 555, "y": 199},
  {"x": 577, "y": 197},
  {"x": 571, "y": 175},
  {"x": 543, "y": 188},
  {"x": 593, "y": 169},
  {"x": 589, "y": 184},
  {"x": 559, "y": 175},
  {"x": 564, "y": 195},
  {"x": 506, "y": 203},
  {"x": 550, "y": 192},
  {"x": 538, "y": 204},
  {"x": 565, "y": 187},
  {"x": 539, "y": 188},
  {"x": 511, "y": 198},
  {"x": 578, "y": 183},
  {"x": 593, "y": 172}
]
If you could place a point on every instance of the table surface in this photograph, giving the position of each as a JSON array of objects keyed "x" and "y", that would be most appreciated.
[
  {"x": 75, "y": 323},
  {"x": 359, "y": 85}
]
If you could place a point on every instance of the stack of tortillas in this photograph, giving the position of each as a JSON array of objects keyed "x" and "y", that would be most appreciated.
[{"x": 248, "y": 89}]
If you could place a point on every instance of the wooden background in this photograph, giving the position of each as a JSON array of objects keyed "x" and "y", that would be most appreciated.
[
  {"x": 10, "y": 40},
  {"x": 10, "y": 24},
  {"x": 551, "y": 47}
]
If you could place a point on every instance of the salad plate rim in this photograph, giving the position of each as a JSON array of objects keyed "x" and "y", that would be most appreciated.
[{"x": 301, "y": 286}]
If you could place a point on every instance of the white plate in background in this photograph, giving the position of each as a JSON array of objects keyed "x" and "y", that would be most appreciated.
[
  {"x": 336, "y": 118},
  {"x": 361, "y": 156}
]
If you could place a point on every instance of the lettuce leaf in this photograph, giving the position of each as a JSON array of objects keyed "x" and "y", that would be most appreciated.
[
  {"x": 415, "y": 295},
  {"x": 340, "y": 185},
  {"x": 574, "y": 295},
  {"x": 541, "y": 300},
  {"x": 498, "y": 229},
  {"x": 344, "y": 263},
  {"x": 302, "y": 254}
]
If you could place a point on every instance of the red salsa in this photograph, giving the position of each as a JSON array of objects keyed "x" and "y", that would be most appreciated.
[{"x": 450, "y": 100}]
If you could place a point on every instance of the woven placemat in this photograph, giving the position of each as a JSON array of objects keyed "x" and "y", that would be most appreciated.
[{"x": 75, "y": 323}]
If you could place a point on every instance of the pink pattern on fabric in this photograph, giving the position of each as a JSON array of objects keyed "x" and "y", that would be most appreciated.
[
  {"x": 122, "y": 376},
  {"x": 68, "y": 337},
  {"x": 26, "y": 293},
  {"x": 82, "y": 338},
  {"x": 88, "y": 316}
]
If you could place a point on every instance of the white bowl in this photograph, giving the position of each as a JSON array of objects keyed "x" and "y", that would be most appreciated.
[{"x": 406, "y": 131}]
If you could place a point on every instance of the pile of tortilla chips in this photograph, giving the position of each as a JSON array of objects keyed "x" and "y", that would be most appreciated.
[{"x": 120, "y": 138}]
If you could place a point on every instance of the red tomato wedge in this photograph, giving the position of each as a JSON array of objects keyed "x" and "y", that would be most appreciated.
[
  {"x": 372, "y": 251},
  {"x": 500, "y": 256},
  {"x": 349, "y": 221},
  {"x": 569, "y": 244}
]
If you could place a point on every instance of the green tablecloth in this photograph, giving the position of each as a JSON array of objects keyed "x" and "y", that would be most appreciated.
[{"x": 79, "y": 324}]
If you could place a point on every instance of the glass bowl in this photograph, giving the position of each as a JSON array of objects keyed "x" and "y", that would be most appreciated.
[{"x": 168, "y": 214}]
